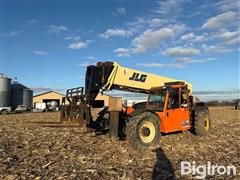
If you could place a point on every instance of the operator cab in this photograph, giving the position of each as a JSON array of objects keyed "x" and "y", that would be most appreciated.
[
  {"x": 177, "y": 97},
  {"x": 171, "y": 103}
]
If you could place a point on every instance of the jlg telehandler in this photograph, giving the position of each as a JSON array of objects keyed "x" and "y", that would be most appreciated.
[{"x": 169, "y": 107}]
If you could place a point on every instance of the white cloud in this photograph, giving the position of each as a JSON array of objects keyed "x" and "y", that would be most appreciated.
[
  {"x": 201, "y": 38},
  {"x": 181, "y": 51},
  {"x": 190, "y": 60},
  {"x": 221, "y": 20},
  {"x": 91, "y": 58},
  {"x": 231, "y": 42},
  {"x": 123, "y": 55},
  {"x": 122, "y": 52},
  {"x": 78, "y": 45},
  {"x": 169, "y": 7},
  {"x": 157, "y": 22},
  {"x": 150, "y": 39},
  {"x": 215, "y": 49},
  {"x": 151, "y": 22},
  {"x": 116, "y": 32},
  {"x": 229, "y": 35},
  {"x": 181, "y": 63},
  {"x": 86, "y": 63},
  {"x": 56, "y": 29},
  {"x": 184, "y": 59},
  {"x": 227, "y": 5},
  {"x": 138, "y": 24},
  {"x": 121, "y": 11},
  {"x": 73, "y": 38},
  {"x": 188, "y": 36},
  {"x": 192, "y": 37},
  {"x": 41, "y": 53},
  {"x": 209, "y": 95},
  {"x": 228, "y": 38},
  {"x": 178, "y": 28},
  {"x": 151, "y": 65},
  {"x": 89, "y": 41},
  {"x": 223, "y": 38},
  {"x": 11, "y": 33}
]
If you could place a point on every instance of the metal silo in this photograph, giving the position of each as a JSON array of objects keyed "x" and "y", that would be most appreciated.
[
  {"x": 21, "y": 95},
  {"x": 5, "y": 91},
  {"x": 28, "y": 98}
]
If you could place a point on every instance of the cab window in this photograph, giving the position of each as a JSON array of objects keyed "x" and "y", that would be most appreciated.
[
  {"x": 173, "y": 98},
  {"x": 184, "y": 97},
  {"x": 156, "y": 101}
]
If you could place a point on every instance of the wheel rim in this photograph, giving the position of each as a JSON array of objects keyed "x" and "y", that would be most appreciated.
[
  {"x": 147, "y": 132},
  {"x": 206, "y": 123}
]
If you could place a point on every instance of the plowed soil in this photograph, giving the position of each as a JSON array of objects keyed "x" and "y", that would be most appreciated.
[{"x": 36, "y": 146}]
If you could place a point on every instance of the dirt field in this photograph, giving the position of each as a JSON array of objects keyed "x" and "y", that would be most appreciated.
[{"x": 33, "y": 146}]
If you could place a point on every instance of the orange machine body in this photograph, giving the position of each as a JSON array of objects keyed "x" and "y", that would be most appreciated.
[{"x": 172, "y": 119}]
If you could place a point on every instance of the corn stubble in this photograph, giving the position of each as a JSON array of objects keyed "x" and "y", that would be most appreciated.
[{"x": 36, "y": 146}]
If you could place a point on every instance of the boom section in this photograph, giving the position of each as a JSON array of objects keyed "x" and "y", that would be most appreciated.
[{"x": 110, "y": 75}]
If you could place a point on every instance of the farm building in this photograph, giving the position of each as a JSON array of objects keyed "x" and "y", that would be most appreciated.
[
  {"x": 57, "y": 97},
  {"x": 48, "y": 97}
]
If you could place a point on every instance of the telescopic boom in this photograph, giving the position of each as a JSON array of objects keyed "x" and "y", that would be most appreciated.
[{"x": 110, "y": 75}]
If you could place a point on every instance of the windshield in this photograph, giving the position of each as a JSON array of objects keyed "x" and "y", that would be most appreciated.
[{"x": 156, "y": 101}]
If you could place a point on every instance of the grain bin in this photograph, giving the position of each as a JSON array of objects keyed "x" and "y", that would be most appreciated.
[
  {"x": 5, "y": 91},
  {"x": 21, "y": 95}
]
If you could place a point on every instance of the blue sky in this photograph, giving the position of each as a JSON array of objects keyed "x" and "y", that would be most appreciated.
[{"x": 48, "y": 44}]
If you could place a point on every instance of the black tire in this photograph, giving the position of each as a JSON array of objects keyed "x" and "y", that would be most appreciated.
[
  {"x": 139, "y": 135},
  {"x": 202, "y": 122}
]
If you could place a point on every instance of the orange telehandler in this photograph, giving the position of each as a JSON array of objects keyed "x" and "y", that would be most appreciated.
[{"x": 169, "y": 107}]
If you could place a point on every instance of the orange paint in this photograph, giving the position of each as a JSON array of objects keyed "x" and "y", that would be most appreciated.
[
  {"x": 174, "y": 119},
  {"x": 129, "y": 110}
]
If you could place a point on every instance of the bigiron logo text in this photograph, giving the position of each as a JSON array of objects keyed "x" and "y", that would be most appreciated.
[
  {"x": 201, "y": 171},
  {"x": 138, "y": 77}
]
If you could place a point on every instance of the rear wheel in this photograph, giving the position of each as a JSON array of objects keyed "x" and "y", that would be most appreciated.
[
  {"x": 143, "y": 130},
  {"x": 202, "y": 123}
]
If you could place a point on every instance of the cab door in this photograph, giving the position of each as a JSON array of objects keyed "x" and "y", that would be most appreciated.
[
  {"x": 184, "y": 107},
  {"x": 172, "y": 116}
]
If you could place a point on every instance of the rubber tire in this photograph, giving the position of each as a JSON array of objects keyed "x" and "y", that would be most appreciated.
[
  {"x": 134, "y": 124},
  {"x": 200, "y": 113}
]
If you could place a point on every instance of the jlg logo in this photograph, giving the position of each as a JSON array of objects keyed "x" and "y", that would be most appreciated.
[{"x": 138, "y": 77}]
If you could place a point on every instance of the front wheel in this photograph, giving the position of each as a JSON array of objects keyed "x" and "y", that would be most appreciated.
[{"x": 143, "y": 130}]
